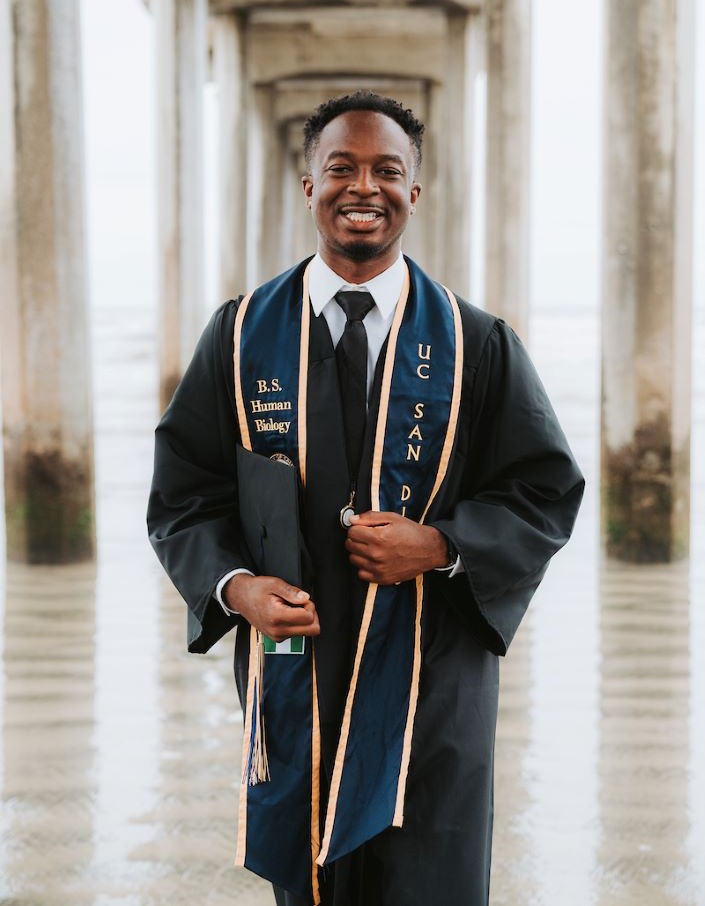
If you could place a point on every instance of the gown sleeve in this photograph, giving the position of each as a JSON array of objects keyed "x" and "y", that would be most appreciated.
[
  {"x": 517, "y": 492},
  {"x": 192, "y": 513}
]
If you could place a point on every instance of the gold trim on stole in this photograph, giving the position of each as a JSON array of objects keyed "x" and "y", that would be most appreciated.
[
  {"x": 386, "y": 391},
  {"x": 320, "y": 851},
  {"x": 315, "y": 786},
  {"x": 372, "y": 590},
  {"x": 303, "y": 375},
  {"x": 315, "y": 723},
  {"x": 253, "y": 666},
  {"x": 398, "y": 819},
  {"x": 454, "y": 402},
  {"x": 252, "y": 662},
  {"x": 239, "y": 400},
  {"x": 246, "y": 738}
]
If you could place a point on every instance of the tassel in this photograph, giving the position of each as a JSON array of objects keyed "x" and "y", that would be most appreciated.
[{"x": 258, "y": 767}]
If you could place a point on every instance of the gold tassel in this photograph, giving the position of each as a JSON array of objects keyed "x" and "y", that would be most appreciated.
[{"x": 258, "y": 767}]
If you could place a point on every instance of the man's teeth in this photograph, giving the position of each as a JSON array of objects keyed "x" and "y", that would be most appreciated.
[{"x": 359, "y": 217}]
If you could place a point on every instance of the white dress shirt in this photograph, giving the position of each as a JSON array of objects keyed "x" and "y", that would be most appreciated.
[{"x": 385, "y": 289}]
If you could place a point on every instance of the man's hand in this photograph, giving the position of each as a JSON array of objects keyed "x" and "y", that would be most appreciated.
[
  {"x": 388, "y": 548},
  {"x": 277, "y": 609}
]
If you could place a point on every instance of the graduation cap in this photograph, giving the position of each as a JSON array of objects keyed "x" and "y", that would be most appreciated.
[{"x": 268, "y": 490}]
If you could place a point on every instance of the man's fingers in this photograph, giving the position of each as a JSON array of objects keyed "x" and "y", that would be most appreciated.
[
  {"x": 275, "y": 607},
  {"x": 365, "y": 576},
  {"x": 283, "y": 621},
  {"x": 372, "y": 518},
  {"x": 359, "y": 556},
  {"x": 366, "y": 534},
  {"x": 355, "y": 544},
  {"x": 366, "y": 547},
  {"x": 292, "y": 616},
  {"x": 290, "y": 593}
]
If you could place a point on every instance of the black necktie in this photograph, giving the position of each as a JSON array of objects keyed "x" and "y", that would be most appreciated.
[{"x": 351, "y": 355}]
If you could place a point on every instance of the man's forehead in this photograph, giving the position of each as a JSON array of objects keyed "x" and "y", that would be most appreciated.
[
  {"x": 352, "y": 120},
  {"x": 375, "y": 132}
]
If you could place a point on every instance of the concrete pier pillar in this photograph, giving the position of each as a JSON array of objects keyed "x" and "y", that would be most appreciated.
[
  {"x": 647, "y": 278},
  {"x": 229, "y": 70},
  {"x": 508, "y": 58},
  {"x": 180, "y": 27},
  {"x": 272, "y": 168},
  {"x": 464, "y": 60},
  {"x": 44, "y": 344},
  {"x": 258, "y": 107}
]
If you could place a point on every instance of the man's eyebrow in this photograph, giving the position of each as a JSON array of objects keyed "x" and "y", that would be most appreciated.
[
  {"x": 394, "y": 158},
  {"x": 338, "y": 153}
]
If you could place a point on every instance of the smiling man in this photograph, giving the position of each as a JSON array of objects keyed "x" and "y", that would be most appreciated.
[
  {"x": 432, "y": 486},
  {"x": 361, "y": 189}
]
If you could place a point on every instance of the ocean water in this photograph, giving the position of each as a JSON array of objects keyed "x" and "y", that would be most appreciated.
[{"x": 120, "y": 758}]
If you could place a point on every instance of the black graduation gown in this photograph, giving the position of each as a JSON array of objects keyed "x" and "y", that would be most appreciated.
[{"x": 508, "y": 503}]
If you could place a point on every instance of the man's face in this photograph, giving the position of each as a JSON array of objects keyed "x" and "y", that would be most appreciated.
[{"x": 361, "y": 188}]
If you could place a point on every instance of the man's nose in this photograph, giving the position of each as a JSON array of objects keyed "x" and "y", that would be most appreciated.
[{"x": 364, "y": 183}]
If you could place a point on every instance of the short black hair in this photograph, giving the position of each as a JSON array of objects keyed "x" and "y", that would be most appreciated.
[{"x": 362, "y": 100}]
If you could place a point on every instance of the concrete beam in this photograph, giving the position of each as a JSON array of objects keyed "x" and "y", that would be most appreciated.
[
  {"x": 647, "y": 278},
  {"x": 181, "y": 36},
  {"x": 312, "y": 42},
  {"x": 508, "y": 24},
  {"x": 296, "y": 98},
  {"x": 226, "y": 6},
  {"x": 44, "y": 342}
]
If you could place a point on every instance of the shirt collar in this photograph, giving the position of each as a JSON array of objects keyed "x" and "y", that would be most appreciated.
[{"x": 385, "y": 288}]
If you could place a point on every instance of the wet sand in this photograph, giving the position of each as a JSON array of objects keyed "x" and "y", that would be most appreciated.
[{"x": 120, "y": 757}]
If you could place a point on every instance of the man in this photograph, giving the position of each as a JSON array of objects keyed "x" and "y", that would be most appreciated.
[{"x": 435, "y": 484}]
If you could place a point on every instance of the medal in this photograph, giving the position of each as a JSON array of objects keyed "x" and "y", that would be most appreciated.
[
  {"x": 348, "y": 511},
  {"x": 346, "y": 515}
]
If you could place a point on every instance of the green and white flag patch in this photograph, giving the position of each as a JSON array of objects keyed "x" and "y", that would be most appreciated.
[{"x": 294, "y": 645}]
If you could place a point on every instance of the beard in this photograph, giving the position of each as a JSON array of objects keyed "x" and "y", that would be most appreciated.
[{"x": 362, "y": 251}]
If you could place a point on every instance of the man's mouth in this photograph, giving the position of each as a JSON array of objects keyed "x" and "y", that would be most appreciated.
[{"x": 362, "y": 216}]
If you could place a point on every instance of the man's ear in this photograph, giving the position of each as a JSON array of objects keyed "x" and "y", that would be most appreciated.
[
  {"x": 307, "y": 185},
  {"x": 415, "y": 192}
]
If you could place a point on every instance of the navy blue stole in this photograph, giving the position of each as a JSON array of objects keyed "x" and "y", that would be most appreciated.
[{"x": 280, "y": 817}]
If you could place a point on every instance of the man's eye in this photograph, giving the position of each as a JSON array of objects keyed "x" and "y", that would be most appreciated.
[
  {"x": 390, "y": 171},
  {"x": 338, "y": 168}
]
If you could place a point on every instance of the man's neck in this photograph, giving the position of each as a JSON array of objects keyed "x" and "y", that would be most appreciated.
[{"x": 358, "y": 272}]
